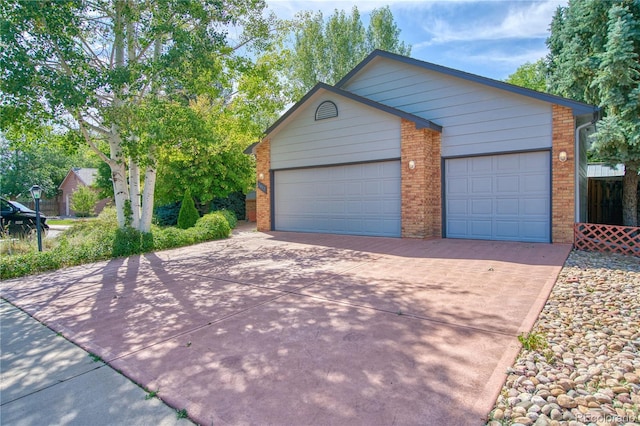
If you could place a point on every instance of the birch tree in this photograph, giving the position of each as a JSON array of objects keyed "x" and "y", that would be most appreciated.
[{"x": 119, "y": 71}]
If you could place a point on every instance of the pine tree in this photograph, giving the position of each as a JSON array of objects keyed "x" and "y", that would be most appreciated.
[{"x": 594, "y": 51}]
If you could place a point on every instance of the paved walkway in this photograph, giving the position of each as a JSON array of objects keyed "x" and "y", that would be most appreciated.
[
  {"x": 286, "y": 328},
  {"x": 47, "y": 380}
]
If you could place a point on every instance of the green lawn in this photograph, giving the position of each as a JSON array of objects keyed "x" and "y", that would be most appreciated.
[{"x": 65, "y": 221}]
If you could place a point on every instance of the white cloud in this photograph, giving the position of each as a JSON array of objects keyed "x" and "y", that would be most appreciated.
[
  {"x": 508, "y": 58},
  {"x": 523, "y": 20}
]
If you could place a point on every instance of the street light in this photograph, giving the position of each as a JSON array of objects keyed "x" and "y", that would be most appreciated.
[{"x": 36, "y": 193}]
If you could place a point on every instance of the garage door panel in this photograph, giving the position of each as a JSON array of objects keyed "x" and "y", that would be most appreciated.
[
  {"x": 457, "y": 207},
  {"x": 536, "y": 230},
  {"x": 507, "y": 206},
  {"x": 481, "y": 164},
  {"x": 508, "y": 184},
  {"x": 457, "y": 185},
  {"x": 372, "y": 188},
  {"x": 499, "y": 197},
  {"x": 362, "y": 199},
  {"x": 535, "y": 207},
  {"x": 481, "y": 228},
  {"x": 507, "y": 163},
  {"x": 481, "y": 206},
  {"x": 507, "y": 230},
  {"x": 390, "y": 187},
  {"x": 482, "y": 185},
  {"x": 535, "y": 183}
]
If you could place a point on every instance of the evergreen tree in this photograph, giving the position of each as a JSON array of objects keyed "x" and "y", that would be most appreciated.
[
  {"x": 594, "y": 52},
  {"x": 188, "y": 215}
]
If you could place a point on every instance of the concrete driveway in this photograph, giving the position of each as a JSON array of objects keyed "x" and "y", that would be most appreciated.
[{"x": 286, "y": 328}]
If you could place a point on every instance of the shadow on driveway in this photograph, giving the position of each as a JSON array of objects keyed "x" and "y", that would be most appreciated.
[{"x": 288, "y": 328}]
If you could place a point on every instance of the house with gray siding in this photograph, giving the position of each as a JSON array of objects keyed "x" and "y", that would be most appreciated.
[{"x": 405, "y": 148}]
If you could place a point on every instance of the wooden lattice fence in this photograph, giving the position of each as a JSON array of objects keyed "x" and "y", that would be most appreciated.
[{"x": 607, "y": 238}]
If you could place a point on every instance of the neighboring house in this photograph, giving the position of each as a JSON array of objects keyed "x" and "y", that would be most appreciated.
[
  {"x": 76, "y": 177},
  {"x": 405, "y": 148}
]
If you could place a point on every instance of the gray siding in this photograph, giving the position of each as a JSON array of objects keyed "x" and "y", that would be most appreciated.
[
  {"x": 477, "y": 119},
  {"x": 359, "y": 133}
]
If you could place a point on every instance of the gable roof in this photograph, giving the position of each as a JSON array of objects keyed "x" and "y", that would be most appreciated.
[
  {"x": 85, "y": 175},
  {"x": 579, "y": 108},
  {"x": 421, "y": 123}
]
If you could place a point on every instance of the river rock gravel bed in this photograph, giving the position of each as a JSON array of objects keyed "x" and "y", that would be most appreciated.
[{"x": 582, "y": 366}]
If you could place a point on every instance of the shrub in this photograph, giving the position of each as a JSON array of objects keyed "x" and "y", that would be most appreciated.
[
  {"x": 212, "y": 226},
  {"x": 83, "y": 201},
  {"x": 101, "y": 239},
  {"x": 171, "y": 237},
  {"x": 130, "y": 241},
  {"x": 188, "y": 215},
  {"x": 167, "y": 215},
  {"x": 231, "y": 218}
]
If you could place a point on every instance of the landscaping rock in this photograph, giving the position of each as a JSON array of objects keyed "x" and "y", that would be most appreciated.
[{"x": 589, "y": 370}]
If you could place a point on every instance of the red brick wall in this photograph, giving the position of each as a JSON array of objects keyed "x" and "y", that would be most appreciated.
[
  {"x": 263, "y": 201},
  {"x": 69, "y": 187},
  {"x": 250, "y": 207},
  {"x": 563, "y": 176},
  {"x": 421, "y": 186}
]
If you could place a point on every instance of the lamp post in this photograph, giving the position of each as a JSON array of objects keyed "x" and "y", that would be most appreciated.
[{"x": 36, "y": 193}]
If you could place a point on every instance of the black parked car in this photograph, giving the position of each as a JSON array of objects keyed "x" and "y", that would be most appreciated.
[{"x": 19, "y": 220}]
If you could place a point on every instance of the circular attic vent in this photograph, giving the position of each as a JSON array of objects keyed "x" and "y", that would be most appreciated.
[{"x": 325, "y": 110}]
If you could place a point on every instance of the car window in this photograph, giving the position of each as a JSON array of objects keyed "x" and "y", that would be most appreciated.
[
  {"x": 5, "y": 206},
  {"x": 20, "y": 206}
]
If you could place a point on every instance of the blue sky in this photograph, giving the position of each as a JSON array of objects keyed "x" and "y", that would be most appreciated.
[{"x": 488, "y": 38}]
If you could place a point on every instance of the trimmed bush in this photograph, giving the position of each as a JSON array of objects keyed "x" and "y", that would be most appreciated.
[
  {"x": 165, "y": 238},
  {"x": 188, "y": 215},
  {"x": 231, "y": 218},
  {"x": 212, "y": 226}
]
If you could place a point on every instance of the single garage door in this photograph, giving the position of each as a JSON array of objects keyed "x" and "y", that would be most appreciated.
[
  {"x": 499, "y": 197},
  {"x": 358, "y": 199}
]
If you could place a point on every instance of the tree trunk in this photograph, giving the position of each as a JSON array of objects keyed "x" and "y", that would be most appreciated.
[
  {"x": 118, "y": 166},
  {"x": 134, "y": 193},
  {"x": 118, "y": 177},
  {"x": 630, "y": 196},
  {"x": 147, "y": 198}
]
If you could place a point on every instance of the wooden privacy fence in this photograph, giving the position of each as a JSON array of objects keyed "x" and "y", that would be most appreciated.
[
  {"x": 49, "y": 207},
  {"x": 603, "y": 238}
]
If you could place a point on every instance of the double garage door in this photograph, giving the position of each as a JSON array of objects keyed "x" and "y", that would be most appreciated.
[
  {"x": 499, "y": 197},
  {"x": 357, "y": 199}
]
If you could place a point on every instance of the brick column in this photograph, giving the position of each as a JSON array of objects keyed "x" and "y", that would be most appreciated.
[
  {"x": 263, "y": 201},
  {"x": 421, "y": 186},
  {"x": 563, "y": 176},
  {"x": 434, "y": 184}
]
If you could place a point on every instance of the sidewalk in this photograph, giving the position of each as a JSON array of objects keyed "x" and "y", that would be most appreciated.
[{"x": 45, "y": 379}]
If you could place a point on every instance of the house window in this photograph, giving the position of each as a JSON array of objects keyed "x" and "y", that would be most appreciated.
[{"x": 325, "y": 110}]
